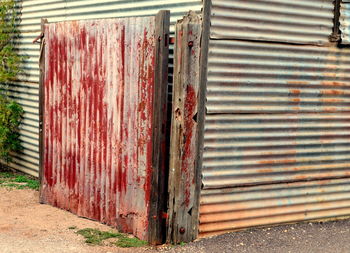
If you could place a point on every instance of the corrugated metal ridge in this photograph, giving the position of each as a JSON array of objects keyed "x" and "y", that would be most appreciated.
[
  {"x": 261, "y": 77},
  {"x": 243, "y": 207},
  {"x": 268, "y": 148},
  {"x": 303, "y": 21}
]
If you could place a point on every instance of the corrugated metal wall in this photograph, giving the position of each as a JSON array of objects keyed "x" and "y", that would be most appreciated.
[
  {"x": 100, "y": 86},
  {"x": 276, "y": 140},
  {"x": 26, "y": 91},
  {"x": 236, "y": 208},
  {"x": 301, "y": 21}
]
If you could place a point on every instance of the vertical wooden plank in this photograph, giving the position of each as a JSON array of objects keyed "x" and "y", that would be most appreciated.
[
  {"x": 184, "y": 143},
  {"x": 158, "y": 185},
  {"x": 201, "y": 113},
  {"x": 41, "y": 104},
  {"x": 335, "y": 36}
]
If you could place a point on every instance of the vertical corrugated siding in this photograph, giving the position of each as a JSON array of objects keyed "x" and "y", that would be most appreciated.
[
  {"x": 26, "y": 90},
  {"x": 297, "y": 21},
  {"x": 99, "y": 87},
  {"x": 345, "y": 22}
]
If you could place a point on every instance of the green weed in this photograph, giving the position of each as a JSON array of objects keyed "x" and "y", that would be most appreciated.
[
  {"x": 96, "y": 237},
  {"x": 18, "y": 181}
]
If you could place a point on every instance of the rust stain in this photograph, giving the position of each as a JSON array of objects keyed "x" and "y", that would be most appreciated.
[
  {"x": 330, "y": 109},
  {"x": 189, "y": 133},
  {"x": 333, "y": 83},
  {"x": 332, "y": 92},
  {"x": 296, "y": 100},
  {"x": 265, "y": 171},
  {"x": 99, "y": 86},
  {"x": 331, "y": 100},
  {"x": 295, "y": 91}
]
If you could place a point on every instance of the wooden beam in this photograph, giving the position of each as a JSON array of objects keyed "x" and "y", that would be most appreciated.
[
  {"x": 158, "y": 183},
  {"x": 41, "y": 103},
  {"x": 182, "y": 226}
]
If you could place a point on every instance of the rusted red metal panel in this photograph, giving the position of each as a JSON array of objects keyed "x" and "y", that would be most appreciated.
[{"x": 99, "y": 88}]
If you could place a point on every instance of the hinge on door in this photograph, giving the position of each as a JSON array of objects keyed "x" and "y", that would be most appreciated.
[{"x": 40, "y": 37}]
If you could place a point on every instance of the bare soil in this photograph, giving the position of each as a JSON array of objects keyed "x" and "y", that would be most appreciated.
[{"x": 27, "y": 226}]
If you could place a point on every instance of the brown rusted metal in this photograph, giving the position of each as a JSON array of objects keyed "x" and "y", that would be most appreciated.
[{"x": 100, "y": 90}]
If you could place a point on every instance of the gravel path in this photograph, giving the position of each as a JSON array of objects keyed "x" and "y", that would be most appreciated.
[{"x": 329, "y": 237}]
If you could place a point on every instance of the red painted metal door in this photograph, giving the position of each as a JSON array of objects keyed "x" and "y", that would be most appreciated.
[{"x": 104, "y": 105}]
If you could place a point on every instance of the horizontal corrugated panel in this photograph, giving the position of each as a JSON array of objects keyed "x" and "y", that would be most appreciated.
[
  {"x": 298, "y": 21},
  {"x": 243, "y": 207},
  {"x": 56, "y": 11},
  {"x": 62, "y": 10},
  {"x": 345, "y": 22},
  {"x": 269, "y": 148},
  {"x": 265, "y": 77}
]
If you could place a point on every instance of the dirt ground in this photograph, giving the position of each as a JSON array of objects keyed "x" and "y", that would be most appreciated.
[{"x": 27, "y": 226}]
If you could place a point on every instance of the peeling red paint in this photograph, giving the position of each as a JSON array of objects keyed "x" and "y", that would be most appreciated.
[
  {"x": 189, "y": 150},
  {"x": 99, "y": 86}
]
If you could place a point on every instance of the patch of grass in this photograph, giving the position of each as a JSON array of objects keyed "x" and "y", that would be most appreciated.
[
  {"x": 126, "y": 242},
  {"x": 96, "y": 237},
  {"x": 18, "y": 181}
]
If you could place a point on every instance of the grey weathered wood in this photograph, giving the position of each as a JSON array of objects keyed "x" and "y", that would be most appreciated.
[
  {"x": 184, "y": 131},
  {"x": 201, "y": 112},
  {"x": 41, "y": 103},
  {"x": 158, "y": 188},
  {"x": 335, "y": 37}
]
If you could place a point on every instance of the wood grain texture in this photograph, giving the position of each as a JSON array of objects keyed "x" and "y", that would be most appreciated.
[
  {"x": 184, "y": 130},
  {"x": 41, "y": 102},
  {"x": 158, "y": 186}
]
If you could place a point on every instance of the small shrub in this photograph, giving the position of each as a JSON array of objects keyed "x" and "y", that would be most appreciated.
[
  {"x": 10, "y": 65},
  {"x": 10, "y": 60},
  {"x": 10, "y": 120}
]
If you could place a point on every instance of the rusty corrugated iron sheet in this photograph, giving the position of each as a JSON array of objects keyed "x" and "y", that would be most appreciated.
[
  {"x": 276, "y": 113},
  {"x": 99, "y": 86},
  {"x": 25, "y": 91},
  {"x": 302, "y": 21},
  {"x": 249, "y": 77},
  {"x": 276, "y": 140},
  {"x": 261, "y": 148},
  {"x": 345, "y": 22},
  {"x": 224, "y": 210}
]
